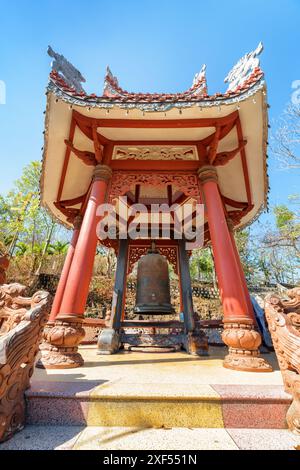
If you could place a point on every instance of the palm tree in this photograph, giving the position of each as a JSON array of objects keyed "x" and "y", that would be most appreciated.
[
  {"x": 57, "y": 248},
  {"x": 21, "y": 248}
]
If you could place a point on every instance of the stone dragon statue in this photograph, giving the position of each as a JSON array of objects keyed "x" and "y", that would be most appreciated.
[
  {"x": 283, "y": 316},
  {"x": 22, "y": 322}
]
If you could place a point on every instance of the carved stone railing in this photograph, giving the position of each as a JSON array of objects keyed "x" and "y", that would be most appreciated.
[
  {"x": 22, "y": 321},
  {"x": 283, "y": 316}
]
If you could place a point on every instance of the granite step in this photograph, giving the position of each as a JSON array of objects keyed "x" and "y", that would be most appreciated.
[
  {"x": 156, "y": 405},
  {"x": 38, "y": 437}
]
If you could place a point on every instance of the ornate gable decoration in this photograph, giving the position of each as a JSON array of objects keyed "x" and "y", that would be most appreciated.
[
  {"x": 112, "y": 89},
  {"x": 245, "y": 78},
  {"x": 246, "y": 68},
  {"x": 64, "y": 68}
]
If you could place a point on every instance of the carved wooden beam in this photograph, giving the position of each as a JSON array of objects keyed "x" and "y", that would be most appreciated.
[
  {"x": 214, "y": 146},
  {"x": 224, "y": 157},
  {"x": 69, "y": 212},
  {"x": 84, "y": 155},
  {"x": 234, "y": 203},
  {"x": 97, "y": 145},
  {"x": 236, "y": 216}
]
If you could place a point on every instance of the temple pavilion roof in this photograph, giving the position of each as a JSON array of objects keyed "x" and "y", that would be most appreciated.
[
  {"x": 242, "y": 81},
  {"x": 168, "y": 131}
]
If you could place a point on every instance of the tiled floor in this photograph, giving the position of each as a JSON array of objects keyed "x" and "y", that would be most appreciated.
[
  {"x": 169, "y": 368},
  {"x": 124, "y": 438},
  {"x": 242, "y": 399}
]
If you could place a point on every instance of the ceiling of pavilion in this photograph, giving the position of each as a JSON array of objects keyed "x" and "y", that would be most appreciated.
[{"x": 245, "y": 98}]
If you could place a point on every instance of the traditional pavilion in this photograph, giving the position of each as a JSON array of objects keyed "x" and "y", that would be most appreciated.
[{"x": 152, "y": 147}]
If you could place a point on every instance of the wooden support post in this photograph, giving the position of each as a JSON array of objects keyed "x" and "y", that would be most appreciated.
[
  {"x": 185, "y": 281},
  {"x": 195, "y": 342},
  {"x": 109, "y": 339}
]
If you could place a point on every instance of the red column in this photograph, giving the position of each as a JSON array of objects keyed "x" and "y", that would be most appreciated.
[
  {"x": 242, "y": 274},
  {"x": 81, "y": 270},
  {"x": 61, "y": 339},
  {"x": 239, "y": 333},
  {"x": 65, "y": 271}
]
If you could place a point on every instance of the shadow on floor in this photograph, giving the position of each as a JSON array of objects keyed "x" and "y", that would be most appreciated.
[{"x": 43, "y": 438}]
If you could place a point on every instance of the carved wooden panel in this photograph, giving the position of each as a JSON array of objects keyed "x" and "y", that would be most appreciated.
[
  {"x": 136, "y": 252},
  {"x": 123, "y": 181},
  {"x": 155, "y": 152}
]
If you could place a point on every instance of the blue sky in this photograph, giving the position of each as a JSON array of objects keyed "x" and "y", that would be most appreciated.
[{"x": 151, "y": 46}]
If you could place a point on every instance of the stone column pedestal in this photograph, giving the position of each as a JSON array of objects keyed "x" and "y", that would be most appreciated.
[
  {"x": 59, "y": 349},
  {"x": 243, "y": 343}
]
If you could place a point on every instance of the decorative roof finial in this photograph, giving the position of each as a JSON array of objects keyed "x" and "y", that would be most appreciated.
[
  {"x": 243, "y": 69},
  {"x": 200, "y": 80},
  {"x": 70, "y": 74},
  {"x": 200, "y": 76},
  {"x": 110, "y": 83}
]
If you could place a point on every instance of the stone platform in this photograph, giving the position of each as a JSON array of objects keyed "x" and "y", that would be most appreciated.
[{"x": 170, "y": 390}]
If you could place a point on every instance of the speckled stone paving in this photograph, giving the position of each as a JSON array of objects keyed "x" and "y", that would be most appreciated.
[
  {"x": 172, "y": 390},
  {"x": 134, "y": 438},
  {"x": 155, "y": 402}
]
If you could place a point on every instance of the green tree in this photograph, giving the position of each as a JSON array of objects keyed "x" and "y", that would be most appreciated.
[
  {"x": 202, "y": 265},
  {"x": 23, "y": 221},
  {"x": 57, "y": 248}
]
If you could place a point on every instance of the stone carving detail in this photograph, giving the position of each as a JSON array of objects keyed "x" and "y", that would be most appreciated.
[
  {"x": 154, "y": 152},
  {"x": 136, "y": 252},
  {"x": 13, "y": 306},
  {"x": 59, "y": 349},
  {"x": 71, "y": 75},
  {"x": 122, "y": 182},
  {"x": 243, "y": 342},
  {"x": 18, "y": 349},
  {"x": 195, "y": 343},
  {"x": 283, "y": 316},
  {"x": 144, "y": 339},
  {"x": 242, "y": 72}
]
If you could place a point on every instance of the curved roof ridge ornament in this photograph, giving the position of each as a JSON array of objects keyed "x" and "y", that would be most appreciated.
[
  {"x": 111, "y": 84},
  {"x": 68, "y": 72},
  {"x": 200, "y": 82},
  {"x": 247, "y": 66}
]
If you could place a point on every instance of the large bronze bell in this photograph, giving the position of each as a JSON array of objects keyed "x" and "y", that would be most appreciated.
[{"x": 153, "y": 285}]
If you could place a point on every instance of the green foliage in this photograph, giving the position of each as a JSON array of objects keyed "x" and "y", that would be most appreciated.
[
  {"x": 25, "y": 226},
  {"x": 202, "y": 265},
  {"x": 57, "y": 248},
  {"x": 284, "y": 217}
]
